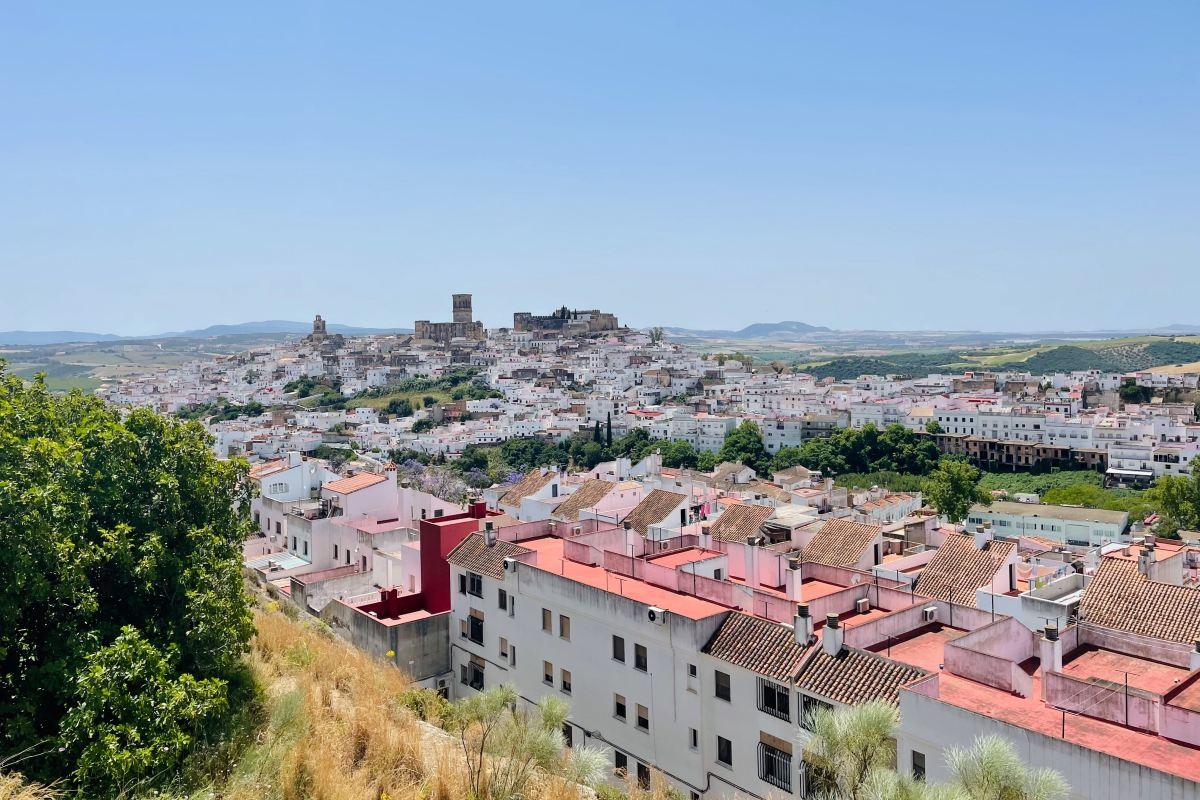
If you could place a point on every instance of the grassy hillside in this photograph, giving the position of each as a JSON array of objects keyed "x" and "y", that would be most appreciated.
[{"x": 330, "y": 723}]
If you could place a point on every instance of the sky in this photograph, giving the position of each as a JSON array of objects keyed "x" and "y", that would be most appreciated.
[{"x": 935, "y": 165}]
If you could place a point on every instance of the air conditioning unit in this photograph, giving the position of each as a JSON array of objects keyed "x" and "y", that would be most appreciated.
[
  {"x": 510, "y": 565},
  {"x": 862, "y": 605},
  {"x": 929, "y": 613},
  {"x": 657, "y": 615}
]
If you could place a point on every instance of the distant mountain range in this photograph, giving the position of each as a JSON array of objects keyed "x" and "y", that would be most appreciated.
[
  {"x": 270, "y": 326},
  {"x": 758, "y": 330},
  {"x": 792, "y": 331}
]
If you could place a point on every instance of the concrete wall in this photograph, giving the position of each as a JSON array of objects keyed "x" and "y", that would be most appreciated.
[
  {"x": 931, "y": 726},
  {"x": 421, "y": 648}
]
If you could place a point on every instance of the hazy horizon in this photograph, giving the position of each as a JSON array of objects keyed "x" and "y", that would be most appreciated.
[{"x": 949, "y": 166}]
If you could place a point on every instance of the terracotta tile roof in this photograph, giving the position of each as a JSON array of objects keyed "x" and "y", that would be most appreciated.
[
  {"x": 759, "y": 645},
  {"x": 586, "y": 496},
  {"x": 653, "y": 509},
  {"x": 738, "y": 522},
  {"x": 267, "y": 468},
  {"x": 355, "y": 482},
  {"x": 854, "y": 676},
  {"x": 958, "y": 566},
  {"x": 1121, "y": 598},
  {"x": 840, "y": 542},
  {"x": 473, "y": 553},
  {"x": 795, "y": 473},
  {"x": 535, "y": 479}
]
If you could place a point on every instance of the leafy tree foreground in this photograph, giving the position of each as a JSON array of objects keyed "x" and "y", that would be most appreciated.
[{"x": 125, "y": 616}]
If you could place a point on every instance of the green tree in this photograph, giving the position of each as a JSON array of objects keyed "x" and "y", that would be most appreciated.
[
  {"x": 596, "y": 433},
  {"x": 111, "y": 524},
  {"x": 678, "y": 453},
  {"x": 1178, "y": 501},
  {"x": 401, "y": 407},
  {"x": 428, "y": 401},
  {"x": 608, "y": 440},
  {"x": 933, "y": 426},
  {"x": 706, "y": 461},
  {"x": 787, "y": 457},
  {"x": 135, "y": 717},
  {"x": 745, "y": 444},
  {"x": 953, "y": 488},
  {"x": 423, "y": 425}
]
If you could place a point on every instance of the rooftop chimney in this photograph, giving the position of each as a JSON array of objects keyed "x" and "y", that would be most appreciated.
[
  {"x": 1050, "y": 651},
  {"x": 1145, "y": 560},
  {"x": 983, "y": 535},
  {"x": 832, "y": 639},
  {"x": 803, "y": 624}
]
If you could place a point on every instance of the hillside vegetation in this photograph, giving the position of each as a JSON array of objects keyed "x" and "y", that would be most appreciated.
[
  {"x": 1114, "y": 355},
  {"x": 330, "y": 723}
]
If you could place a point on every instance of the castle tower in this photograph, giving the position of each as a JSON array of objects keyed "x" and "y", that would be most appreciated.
[{"x": 462, "y": 308}]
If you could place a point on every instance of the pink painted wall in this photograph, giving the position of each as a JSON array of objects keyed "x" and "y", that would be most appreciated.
[{"x": 1103, "y": 700}]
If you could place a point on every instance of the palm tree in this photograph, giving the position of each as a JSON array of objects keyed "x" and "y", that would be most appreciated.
[
  {"x": 849, "y": 746},
  {"x": 990, "y": 769},
  {"x": 853, "y": 754},
  {"x": 507, "y": 748}
]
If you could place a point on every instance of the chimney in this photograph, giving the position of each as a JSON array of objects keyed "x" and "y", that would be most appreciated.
[
  {"x": 752, "y": 562},
  {"x": 983, "y": 535},
  {"x": 1145, "y": 560},
  {"x": 489, "y": 534},
  {"x": 1195, "y": 663},
  {"x": 477, "y": 509},
  {"x": 832, "y": 638},
  {"x": 803, "y": 624},
  {"x": 1050, "y": 650}
]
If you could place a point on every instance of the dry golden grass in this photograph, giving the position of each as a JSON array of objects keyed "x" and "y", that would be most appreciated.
[
  {"x": 333, "y": 728},
  {"x": 14, "y": 787}
]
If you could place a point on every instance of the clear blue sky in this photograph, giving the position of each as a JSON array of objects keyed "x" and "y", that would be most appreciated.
[{"x": 996, "y": 165}]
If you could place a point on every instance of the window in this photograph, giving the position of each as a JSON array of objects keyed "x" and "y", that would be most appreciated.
[
  {"x": 693, "y": 738},
  {"x": 294, "y": 542},
  {"x": 462, "y": 584},
  {"x": 547, "y": 620},
  {"x": 278, "y": 530},
  {"x": 724, "y": 751},
  {"x": 693, "y": 671},
  {"x": 305, "y": 547},
  {"x": 503, "y": 648},
  {"x": 347, "y": 555},
  {"x": 618, "y": 649},
  {"x": 643, "y": 717},
  {"x": 471, "y": 674},
  {"x": 619, "y": 706},
  {"x": 335, "y": 552},
  {"x": 721, "y": 686},
  {"x": 475, "y": 584},
  {"x": 565, "y": 681},
  {"x": 918, "y": 765},
  {"x": 503, "y": 600},
  {"x": 808, "y": 707},
  {"x": 547, "y": 673},
  {"x": 564, "y": 627},
  {"x": 639, "y": 657},
  {"x": 774, "y": 699},
  {"x": 475, "y": 627},
  {"x": 512, "y": 655},
  {"x": 643, "y": 775},
  {"x": 620, "y": 762},
  {"x": 775, "y": 766}
]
